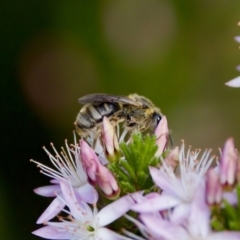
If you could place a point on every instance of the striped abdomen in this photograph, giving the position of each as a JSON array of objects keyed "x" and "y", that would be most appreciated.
[{"x": 91, "y": 115}]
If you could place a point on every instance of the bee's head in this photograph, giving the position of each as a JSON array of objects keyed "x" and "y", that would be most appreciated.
[{"x": 156, "y": 118}]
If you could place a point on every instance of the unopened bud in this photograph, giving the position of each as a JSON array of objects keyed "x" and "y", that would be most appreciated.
[
  {"x": 228, "y": 164},
  {"x": 213, "y": 188},
  {"x": 110, "y": 140},
  {"x": 161, "y": 133}
]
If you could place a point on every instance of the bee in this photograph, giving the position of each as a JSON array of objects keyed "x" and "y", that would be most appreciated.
[{"x": 136, "y": 112}]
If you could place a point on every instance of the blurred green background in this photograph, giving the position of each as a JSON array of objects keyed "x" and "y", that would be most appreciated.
[{"x": 177, "y": 53}]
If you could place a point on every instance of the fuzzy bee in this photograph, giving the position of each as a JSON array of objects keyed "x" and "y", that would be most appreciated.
[{"x": 136, "y": 112}]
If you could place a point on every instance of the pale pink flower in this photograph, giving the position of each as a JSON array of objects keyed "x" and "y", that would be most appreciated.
[
  {"x": 68, "y": 166},
  {"x": 109, "y": 139},
  {"x": 97, "y": 173},
  {"x": 179, "y": 191},
  {"x": 234, "y": 82},
  {"x": 162, "y": 135},
  {"x": 213, "y": 188},
  {"x": 90, "y": 161},
  {"x": 83, "y": 222},
  {"x": 198, "y": 225},
  {"x": 228, "y": 164},
  {"x": 222, "y": 179},
  {"x": 154, "y": 226}
]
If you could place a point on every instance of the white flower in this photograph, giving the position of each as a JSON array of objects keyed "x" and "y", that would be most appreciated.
[
  {"x": 83, "y": 222},
  {"x": 196, "y": 227},
  {"x": 236, "y": 81},
  {"x": 68, "y": 166},
  {"x": 178, "y": 191}
]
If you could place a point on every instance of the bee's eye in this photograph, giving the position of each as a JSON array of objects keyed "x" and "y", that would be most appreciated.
[
  {"x": 156, "y": 118},
  {"x": 159, "y": 119}
]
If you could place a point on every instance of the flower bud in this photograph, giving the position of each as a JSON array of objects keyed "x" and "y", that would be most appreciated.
[
  {"x": 228, "y": 164},
  {"x": 213, "y": 188},
  {"x": 89, "y": 161},
  {"x": 97, "y": 173},
  {"x": 161, "y": 133},
  {"x": 107, "y": 182},
  {"x": 110, "y": 140}
]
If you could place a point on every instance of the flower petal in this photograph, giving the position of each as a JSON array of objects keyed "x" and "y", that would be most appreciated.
[
  {"x": 79, "y": 209},
  {"x": 106, "y": 234},
  {"x": 237, "y": 39},
  {"x": 86, "y": 193},
  {"x": 231, "y": 197},
  {"x": 53, "y": 209},
  {"x": 116, "y": 209},
  {"x": 166, "y": 181},
  {"x": 157, "y": 203},
  {"x": 234, "y": 82},
  {"x": 180, "y": 213},
  {"x": 162, "y": 229},
  {"x": 199, "y": 226},
  {"x": 48, "y": 191},
  {"x": 224, "y": 235},
  {"x": 54, "y": 181},
  {"x": 50, "y": 232}
]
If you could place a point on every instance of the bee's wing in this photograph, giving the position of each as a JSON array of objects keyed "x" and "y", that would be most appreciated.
[{"x": 102, "y": 98}]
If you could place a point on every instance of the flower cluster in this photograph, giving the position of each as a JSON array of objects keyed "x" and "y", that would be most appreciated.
[{"x": 135, "y": 186}]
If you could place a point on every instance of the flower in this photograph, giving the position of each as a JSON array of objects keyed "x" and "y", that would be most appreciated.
[
  {"x": 69, "y": 167},
  {"x": 222, "y": 179},
  {"x": 155, "y": 226},
  {"x": 228, "y": 164},
  {"x": 84, "y": 222},
  {"x": 184, "y": 198},
  {"x": 109, "y": 139},
  {"x": 213, "y": 187},
  {"x": 161, "y": 133},
  {"x": 236, "y": 81},
  {"x": 97, "y": 173},
  {"x": 178, "y": 192}
]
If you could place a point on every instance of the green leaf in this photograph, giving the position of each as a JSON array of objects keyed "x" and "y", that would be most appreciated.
[{"x": 132, "y": 171}]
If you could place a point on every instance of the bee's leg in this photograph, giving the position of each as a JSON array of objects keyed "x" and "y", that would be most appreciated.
[{"x": 171, "y": 140}]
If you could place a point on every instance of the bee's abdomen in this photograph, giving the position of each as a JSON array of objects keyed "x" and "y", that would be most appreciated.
[
  {"x": 107, "y": 109},
  {"x": 90, "y": 115}
]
